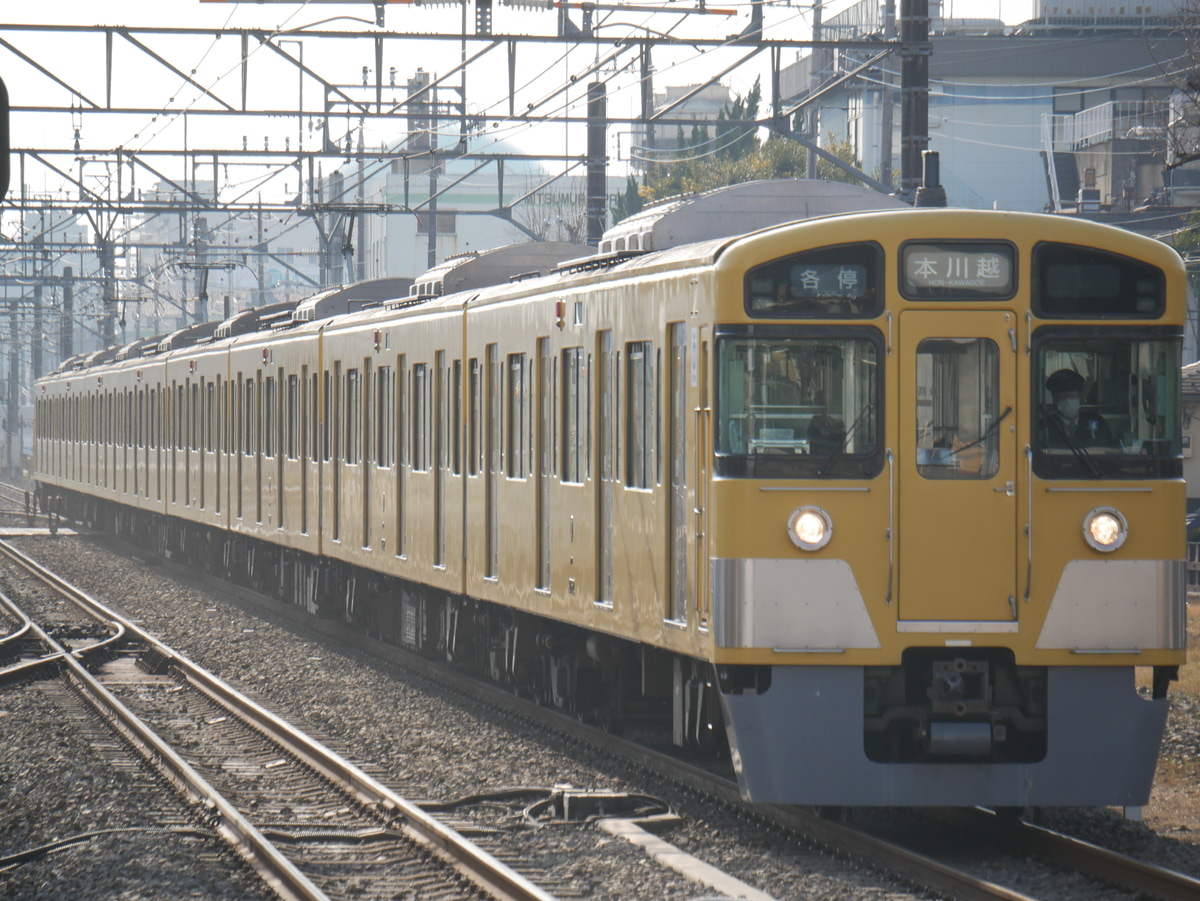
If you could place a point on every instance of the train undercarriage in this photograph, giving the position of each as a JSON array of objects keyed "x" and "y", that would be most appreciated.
[{"x": 591, "y": 676}]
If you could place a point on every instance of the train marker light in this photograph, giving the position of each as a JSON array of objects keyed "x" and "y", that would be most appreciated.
[
  {"x": 810, "y": 528},
  {"x": 1105, "y": 529}
]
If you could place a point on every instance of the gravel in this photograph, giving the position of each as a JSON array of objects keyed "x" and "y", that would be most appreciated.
[{"x": 431, "y": 745}]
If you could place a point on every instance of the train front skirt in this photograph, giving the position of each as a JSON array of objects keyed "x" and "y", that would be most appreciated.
[{"x": 801, "y": 742}]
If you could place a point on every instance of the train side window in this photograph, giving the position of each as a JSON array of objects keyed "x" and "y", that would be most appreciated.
[
  {"x": 474, "y": 412},
  {"x": 641, "y": 414},
  {"x": 420, "y": 406},
  {"x": 314, "y": 418},
  {"x": 248, "y": 413},
  {"x": 456, "y": 389},
  {"x": 327, "y": 418},
  {"x": 844, "y": 281},
  {"x": 573, "y": 411},
  {"x": 402, "y": 430},
  {"x": 269, "y": 416},
  {"x": 194, "y": 418},
  {"x": 210, "y": 427},
  {"x": 385, "y": 429},
  {"x": 1082, "y": 282},
  {"x": 517, "y": 415},
  {"x": 354, "y": 415}
]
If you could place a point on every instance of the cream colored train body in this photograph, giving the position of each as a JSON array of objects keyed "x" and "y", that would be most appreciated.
[{"x": 891, "y": 578}]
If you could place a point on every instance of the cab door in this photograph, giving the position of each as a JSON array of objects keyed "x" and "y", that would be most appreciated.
[{"x": 956, "y": 467}]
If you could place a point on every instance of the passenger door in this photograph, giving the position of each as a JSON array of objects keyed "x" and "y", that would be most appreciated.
[{"x": 956, "y": 467}]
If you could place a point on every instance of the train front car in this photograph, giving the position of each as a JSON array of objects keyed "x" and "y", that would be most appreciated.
[{"x": 944, "y": 520}]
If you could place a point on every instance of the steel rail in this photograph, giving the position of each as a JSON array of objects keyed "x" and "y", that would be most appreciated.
[
  {"x": 843, "y": 841},
  {"x": 484, "y": 870},
  {"x": 1073, "y": 853},
  {"x": 276, "y": 871}
]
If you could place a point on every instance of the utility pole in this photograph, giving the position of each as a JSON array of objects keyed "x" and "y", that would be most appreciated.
[
  {"x": 66, "y": 322},
  {"x": 914, "y": 93},
  {"x": 597, "y": 161},
  {"x": 885, "y": 99}
]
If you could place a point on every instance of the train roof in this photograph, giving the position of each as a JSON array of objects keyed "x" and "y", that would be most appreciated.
[
  {"x": 189, "y": 336},
  {"x": 139, "y": 348},
  {"x": 479, "y": 269},
  {"x": 740, "y": 209},
  {"x": 350, "y": 298},
  {"x": 255, "y": 319}
]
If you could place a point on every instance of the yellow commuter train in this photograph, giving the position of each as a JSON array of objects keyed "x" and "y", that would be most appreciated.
[{"x": 886, "y": 503}]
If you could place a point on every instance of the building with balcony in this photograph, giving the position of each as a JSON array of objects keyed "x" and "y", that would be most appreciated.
[{"x": 1069, "y": 111}]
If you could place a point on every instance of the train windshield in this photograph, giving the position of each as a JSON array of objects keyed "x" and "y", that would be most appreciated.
[
  {"x": 1107, "y": 406},
  {"x": 791, "y": 406}
]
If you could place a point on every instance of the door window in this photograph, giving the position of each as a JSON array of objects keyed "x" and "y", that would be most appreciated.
[{"x": 958, "y": 413}]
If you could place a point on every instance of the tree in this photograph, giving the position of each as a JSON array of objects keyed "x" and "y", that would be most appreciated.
[
  {"x": 733, "y": 156},
  {"x": 1183, "y": 73},
  {"x": 628, "y": 203}
]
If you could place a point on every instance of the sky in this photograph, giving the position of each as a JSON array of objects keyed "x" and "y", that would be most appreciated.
[{"x": 165, "y": 124}]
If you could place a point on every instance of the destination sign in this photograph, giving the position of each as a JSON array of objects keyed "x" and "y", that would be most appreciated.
[{"x": 950, "y": 270}]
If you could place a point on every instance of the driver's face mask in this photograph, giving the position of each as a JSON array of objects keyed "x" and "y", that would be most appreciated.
[{"x": 1068, "y": 406}]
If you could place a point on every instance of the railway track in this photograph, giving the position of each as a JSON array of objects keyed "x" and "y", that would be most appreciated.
[
  {"x": 1054, "y": 849},
  {"x": 311, "y": 824},
  {"x": 923, "y": 870}
]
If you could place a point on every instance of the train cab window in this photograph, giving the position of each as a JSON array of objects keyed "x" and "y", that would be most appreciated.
[
  {"x": 798, "y": 406},
  {"x": 840, "y": 282},
  {"x": 958, "y": 408},
  {"x": 1071, "y": 281},
  {"x": 1106, "y": 405}
]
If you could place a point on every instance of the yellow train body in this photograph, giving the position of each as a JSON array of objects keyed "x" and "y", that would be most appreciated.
[{"x": 595, "y": 457}]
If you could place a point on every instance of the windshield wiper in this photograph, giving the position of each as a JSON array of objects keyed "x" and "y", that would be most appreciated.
[
  {"x": 841, "y": 448},
  {"x": 987, "y": 433}
]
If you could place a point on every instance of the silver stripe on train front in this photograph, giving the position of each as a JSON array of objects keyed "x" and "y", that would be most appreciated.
[
  {"x": 789, "y": 605},
  {"x": 1115, "y": 605}
]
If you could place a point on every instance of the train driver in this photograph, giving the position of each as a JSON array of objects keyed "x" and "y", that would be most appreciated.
[{"x": 1066, "y": 426}]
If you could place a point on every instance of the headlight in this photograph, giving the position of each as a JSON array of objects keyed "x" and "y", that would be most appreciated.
[
  {"x": 810, "y": 528},
  {"x": 1105, "y": 529}
]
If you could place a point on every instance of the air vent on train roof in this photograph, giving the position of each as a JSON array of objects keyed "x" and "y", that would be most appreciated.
[
  {"x": 474, "y": 269},
  {"x": 256, "y": 319},
  {"x": 188, "y": 337},
  {"x": 350, "y": 299}
]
